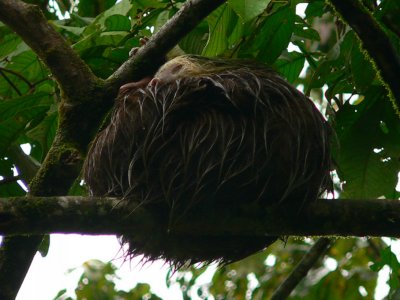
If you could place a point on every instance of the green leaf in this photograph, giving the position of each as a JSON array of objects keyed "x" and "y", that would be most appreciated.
[
  {"x": 61, "y": 295},
  {"x": 28, "y": 64},
  {"x": 275, "y": 35},
  {"x": 86, "y": 7},
  {"x": 291, "y": 65},
  {"x": 339, "y": 86},
  {"x": 362, "y": 70},
  {"x": 315, "y": 8},
  {"x": 387, "y": 13},
  {"x": 45, "y": 132},
  {"x": 44, "y": 246},
  {"x": 333, "y": 69},
  {"x": 11, "y": 128},
  {"x": 150, "y": 4},
  {"x": 70, "y": 29},
  {"x": 12, "y": 107},
  {"x": 18, "y": 115},
  {"x": 117, "y": 54},
  {"x": 368, "y": 157},
  {"x": 20, "y": 73},
  {"x": 112, "y": 38},
  {"x": 87, "y": 42},
  {"x": 80, "y": 21},
  {"x": 121, "y": 8},
  {"x": 8, "y": 44},
  {"x": 306, "y": 33},
  {"x": 117, "y": 23},
  {"x": 196, "y": 40},
  {"x": 236, "y": 35},
  {"x": 102, "y": 67},
  {"x": 248, "y": 9},
  {"x": 390, "y": 259},
  {"x": 221, "y": 23}
]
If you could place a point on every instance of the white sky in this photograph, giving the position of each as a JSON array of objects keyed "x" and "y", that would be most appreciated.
[{"x": 47, "y": 276}]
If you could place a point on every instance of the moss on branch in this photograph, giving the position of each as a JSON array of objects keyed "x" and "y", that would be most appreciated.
[
  {"x": 38, "y": 215},
  {"x": 376, "y": 42}
]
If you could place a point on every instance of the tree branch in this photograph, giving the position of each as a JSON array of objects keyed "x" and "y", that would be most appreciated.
[
  {"x": 375, "y": 41},
  {"x": 68, "y": 215},
  {"x": 38, "y": 215},
  {"x": 66, "y": 66},
  {"x": 150, "y": 56},
  {"x": 302, "y": 268},
  {"x": 321, "y": 218}
]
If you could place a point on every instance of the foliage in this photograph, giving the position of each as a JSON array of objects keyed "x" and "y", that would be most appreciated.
[
  {"x": 97, "y": 282},
  {"x": 316, "y": 51}
]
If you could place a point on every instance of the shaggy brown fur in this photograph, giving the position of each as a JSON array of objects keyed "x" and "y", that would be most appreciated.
[{"x": 209, "y": 131}]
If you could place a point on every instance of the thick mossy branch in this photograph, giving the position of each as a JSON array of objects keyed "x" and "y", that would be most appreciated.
[
  {"x": 322, "y": 218},
  {"x": 38, "y": 215},
  {"x": 375, "y": 41},
  {"x": 58, "y": 171},
  {"x": 66, "y": 66},
  {"x": 69, "y": 215}
]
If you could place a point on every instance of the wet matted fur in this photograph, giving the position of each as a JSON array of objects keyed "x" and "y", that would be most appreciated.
[{"x": 218, "y": 132}]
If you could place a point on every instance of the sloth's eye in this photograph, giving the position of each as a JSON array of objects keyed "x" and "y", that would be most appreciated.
[{"x": 176, "y": 69}]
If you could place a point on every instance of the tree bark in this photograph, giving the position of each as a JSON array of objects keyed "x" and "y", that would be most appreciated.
[{"x": 39, "y": 215}]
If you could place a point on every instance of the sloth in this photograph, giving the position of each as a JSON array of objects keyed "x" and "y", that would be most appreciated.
[{"x": 208, "y": 133}]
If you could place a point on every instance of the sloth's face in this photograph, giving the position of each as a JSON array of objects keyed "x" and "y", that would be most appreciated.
[
  {"x": 180, "y": 67},
  {"x": 171, "y": 71}
]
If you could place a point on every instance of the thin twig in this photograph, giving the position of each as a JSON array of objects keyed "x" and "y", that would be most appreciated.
[
  {"x": 9, "y": 81},
  {"x": 20, "y": 76},
  {"x": 316, "y": 252}
]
